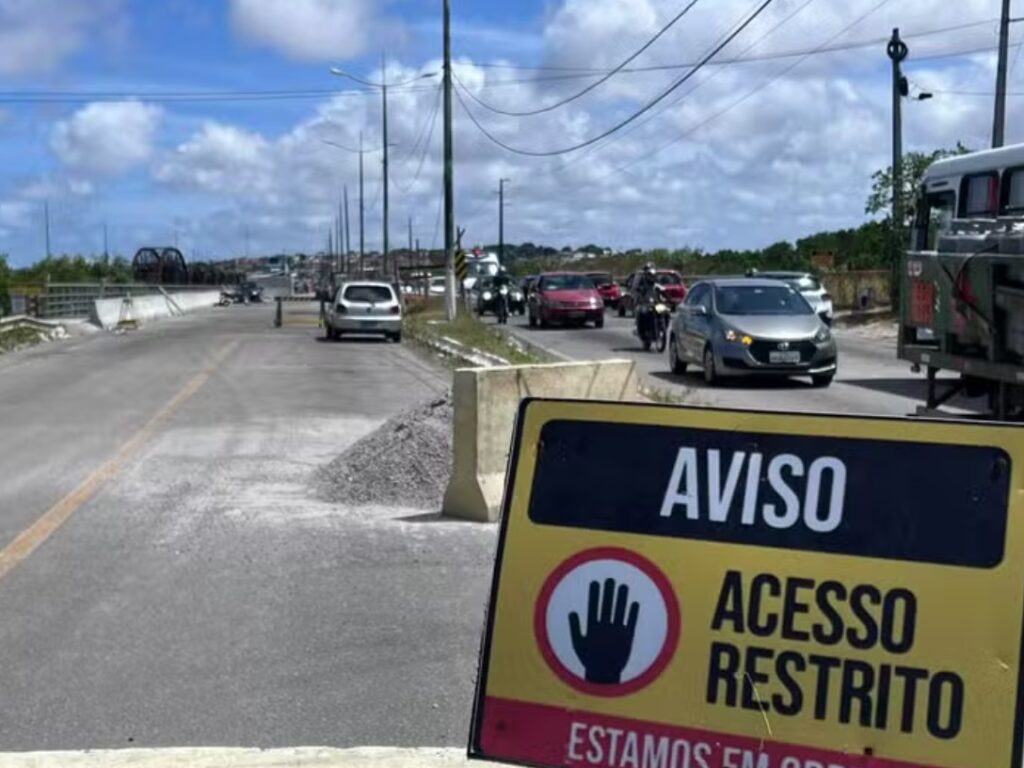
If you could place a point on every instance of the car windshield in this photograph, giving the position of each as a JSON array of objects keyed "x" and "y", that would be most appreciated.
[
  {"x": 601, "y": 279},
  {"x": 567, "y": 283},
  {"x": 668, "y": 278},
  {"x": 760, "y": 300},
  {"x": 368, "y": 294}
]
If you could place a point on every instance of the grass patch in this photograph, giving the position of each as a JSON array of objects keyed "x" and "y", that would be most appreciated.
[
  {"x": 425, "y": 321},
  {"x": 17, "y": 338}
]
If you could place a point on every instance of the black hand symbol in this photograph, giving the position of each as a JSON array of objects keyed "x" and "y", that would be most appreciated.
[{"x": 605, "y": 649}]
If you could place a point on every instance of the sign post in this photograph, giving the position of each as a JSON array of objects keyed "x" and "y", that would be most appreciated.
[{"x": 693, "y": 588}]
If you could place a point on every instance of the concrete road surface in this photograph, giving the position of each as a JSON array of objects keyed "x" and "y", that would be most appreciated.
[
  {"x": 870, "y": 379},
  {"x": 166, "y": 575}
]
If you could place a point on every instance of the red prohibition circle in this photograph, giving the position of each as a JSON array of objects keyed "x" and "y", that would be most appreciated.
[{"x": 672, "y": 621}]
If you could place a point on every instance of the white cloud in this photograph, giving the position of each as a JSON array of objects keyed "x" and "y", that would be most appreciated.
[
  {"x": 312, "y": 30},
  {"x": 107, "y": 138},
  {"x": 39, "y": 35}
]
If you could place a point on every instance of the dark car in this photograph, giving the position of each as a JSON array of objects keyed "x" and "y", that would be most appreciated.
[
  {"x": 565, "y": 297},
  {"x": 607, "y": 287},
  {"x": 745, "y": 326},
  {"x": 672, "y": 286}
]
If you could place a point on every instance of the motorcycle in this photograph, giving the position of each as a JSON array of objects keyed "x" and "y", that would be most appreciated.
[
  {"x": 652, "y": 323},
  {"x": 501, "y": 308}
]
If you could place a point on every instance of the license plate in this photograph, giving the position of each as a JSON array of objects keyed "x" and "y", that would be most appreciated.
[
  {"x": 784, "y": 357},
  {"x": 576, "y": 315},
  {"x": 367, "y": 324}
]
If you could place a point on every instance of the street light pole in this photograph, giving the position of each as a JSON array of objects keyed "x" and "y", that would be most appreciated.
[
  {"x": 897, "y": 51},
  {"x": 501, "y": 220},
  {"x": 362, "y": 210},
  {"x": 999, "y": 118},
  {"x": 449, "y": 172},
  {"x": 384, "y": 97}
]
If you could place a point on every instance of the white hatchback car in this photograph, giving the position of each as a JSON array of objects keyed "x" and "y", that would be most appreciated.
[{"x": 365, "y": 308}]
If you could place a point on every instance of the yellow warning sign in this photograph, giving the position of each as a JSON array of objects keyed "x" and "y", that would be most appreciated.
[
  {"x": 682, "y": 588},
  {"x": 461, "y": 268}
]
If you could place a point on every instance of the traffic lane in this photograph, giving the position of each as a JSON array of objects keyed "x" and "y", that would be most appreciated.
[
  {"x": 66, "y": 407},
  {"x": 870, "y": 379},
  {"x": 206, "y": 597}
]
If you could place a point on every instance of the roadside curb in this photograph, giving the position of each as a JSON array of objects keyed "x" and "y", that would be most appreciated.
[
  {"x": 227, "y": 757},
  {"x": 536, "y": 348}
]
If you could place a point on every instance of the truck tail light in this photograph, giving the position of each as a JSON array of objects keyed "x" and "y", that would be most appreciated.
[{"x": 922, "y": 304}]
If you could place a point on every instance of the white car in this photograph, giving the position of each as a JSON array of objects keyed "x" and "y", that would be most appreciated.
[
  {"x": 365, "y": 308},
  {"x": 810, "y": 288},
  {"x": 437, "y": 286}
]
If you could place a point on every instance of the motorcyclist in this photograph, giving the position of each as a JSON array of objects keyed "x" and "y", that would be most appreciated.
[
  {"x": 502, "y": 280},
  {"x": 646, "y": 293}
]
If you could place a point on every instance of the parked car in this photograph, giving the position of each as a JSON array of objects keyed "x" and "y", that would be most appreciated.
[
  {"x": 437, "y": 286},
  {"x": 741, "y": 326},
  {"x": 565, "y": 297},
  {"x": 810, "y": 288},
  {"x": 672, "y": 286},
  {"x": 365, "y": 308},
  {"x": 607, "y": 287}
]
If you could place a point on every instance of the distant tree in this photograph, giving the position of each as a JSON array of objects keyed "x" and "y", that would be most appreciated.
[
  {"x": 914, "y": 166},
  {"x": 5, "y": 286}
]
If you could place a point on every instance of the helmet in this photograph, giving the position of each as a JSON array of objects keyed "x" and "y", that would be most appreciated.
[{"x": 649, "y": 268}]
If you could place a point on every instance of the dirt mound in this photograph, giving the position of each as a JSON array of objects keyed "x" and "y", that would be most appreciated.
[{"x": 405, "y": 462}]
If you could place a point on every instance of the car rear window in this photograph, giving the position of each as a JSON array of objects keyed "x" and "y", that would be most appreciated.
[
  {"x": 668, "y": 278},
  {"x": 369, "y": 294}
]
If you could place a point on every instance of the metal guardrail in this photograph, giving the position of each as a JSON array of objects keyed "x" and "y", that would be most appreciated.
[{"x": 74, "y": 300}]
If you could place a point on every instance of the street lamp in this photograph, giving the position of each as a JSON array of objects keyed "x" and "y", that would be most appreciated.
[{"x": 384, "y": 99}]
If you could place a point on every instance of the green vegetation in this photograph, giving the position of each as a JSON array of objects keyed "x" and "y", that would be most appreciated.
[
  {"x": 424, "y": 322},
  {"x": 5, "y": 286},
  {"x": 76, "y": 269},
  {"x": 18, "y": 337}
]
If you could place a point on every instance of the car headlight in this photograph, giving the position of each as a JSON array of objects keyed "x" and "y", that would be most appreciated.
[
  {"x": 823, "y": 335},
  {"x": 742, "y": 338},
  {"x": 487, "y": 295},
  {"x": 517, "y": 296}
]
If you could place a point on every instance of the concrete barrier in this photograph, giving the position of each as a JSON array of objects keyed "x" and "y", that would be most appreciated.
[
  {"x": 107, "y": 313},
  {"x": 486, "y": 401}
]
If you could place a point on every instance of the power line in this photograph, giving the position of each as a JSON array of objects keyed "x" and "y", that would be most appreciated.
[
  {"x": 591, "y": 72},
  {"x": 735, "y": 103},
  {"x": 604, "y": 78},
  {"x": 623, "y": 123},
  {"x": 636, "y": 126},
  {"x": 429, "y": 134}
]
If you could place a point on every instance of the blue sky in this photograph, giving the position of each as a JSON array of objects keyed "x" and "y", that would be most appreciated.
[{"x": 756, "y": 153}]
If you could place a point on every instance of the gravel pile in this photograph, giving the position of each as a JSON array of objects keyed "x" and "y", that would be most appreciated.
[{"x": 405, "y": 462}]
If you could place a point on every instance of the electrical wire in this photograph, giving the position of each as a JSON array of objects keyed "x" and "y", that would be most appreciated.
[
  {"x": 603, "y": 79},
  {"x": 429, "y": 133},
  {"x": 336, "y": 145},
  {"x": 623, "y": 123},
  {"x": 587, "y": 72},
  {"x": 636, "y": 126},
  {"x": 735, "y": 103}
]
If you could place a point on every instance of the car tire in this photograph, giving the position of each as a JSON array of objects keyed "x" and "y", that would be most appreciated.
[
  {"x": 543, "y": 321},
  {"x": 599, "y": 321},
  {"x": 822, "y": 381},
  {"x": 677, "y": 365},
  {"x": 710, "y": 374},
  {"x": 621, "y": 309},
  {"x": 397, "y": 337},
  {"x": 329, "y": 333},
  {"x": 532, "y": 321}
]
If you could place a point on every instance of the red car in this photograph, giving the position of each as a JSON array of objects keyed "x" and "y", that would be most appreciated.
[
  {"x": 607, "y": 287},
  {"x": 672, "y": 286},
  {"x": 565, "y": 297}
]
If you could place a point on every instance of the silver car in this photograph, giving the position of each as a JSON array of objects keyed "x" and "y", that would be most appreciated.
[
  {"x": 365, "y": 308},
  {"x": 810, "y": 288},
  {"x": 751, "y": 326}
]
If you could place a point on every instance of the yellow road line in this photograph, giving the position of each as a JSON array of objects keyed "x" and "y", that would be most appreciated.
[{"x": 30, "y": 539}]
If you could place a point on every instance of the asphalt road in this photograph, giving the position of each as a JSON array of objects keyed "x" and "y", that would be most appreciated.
[
  {"x": 870, "y": 379},
  {"x": 197, "y": 593}
]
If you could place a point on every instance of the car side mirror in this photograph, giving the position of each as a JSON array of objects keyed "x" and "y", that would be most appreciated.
[{"x": 699, "y": 310}]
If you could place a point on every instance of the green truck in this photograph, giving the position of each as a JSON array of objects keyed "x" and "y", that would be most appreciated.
[{"x": 962, "y": 281}]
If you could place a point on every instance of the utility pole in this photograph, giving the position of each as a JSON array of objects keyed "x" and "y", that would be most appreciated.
[
  {"x": 106, "y": 242},
  {"x": 362, "y": 209},
  {"x": 384, "y": 96},
  {"x": 449, "y": 171},
  {"x": 999, "y": 120},
  {"x": 46, "y": 225},
  {"x": 897, "y": 51},
  {"x": 501, "y": 220},
  {"x": 348, "y": 234}
]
